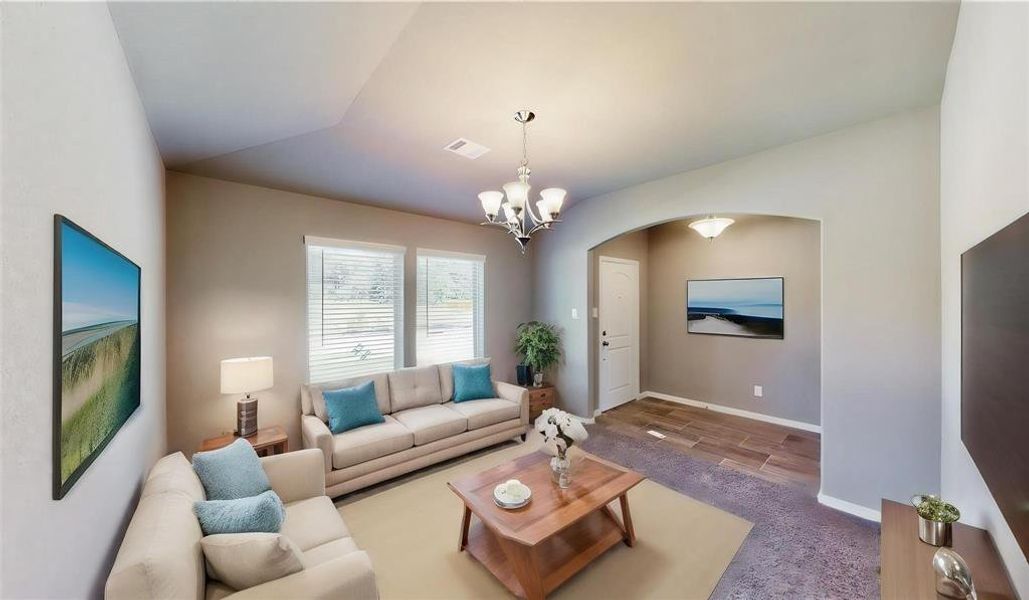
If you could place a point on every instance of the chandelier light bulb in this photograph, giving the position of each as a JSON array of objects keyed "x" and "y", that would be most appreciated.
[
  {"x": 544, "y": 211},
  {"x": 491, "y": 201},
  {"x": 553, "y": 198},
  {"x": 711, "y": 227},
  {"x": 517, "y": 193}
]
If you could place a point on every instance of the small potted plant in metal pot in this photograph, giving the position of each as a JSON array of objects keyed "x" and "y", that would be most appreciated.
[
  {"x": 935, "y": 519},
  {"x": 538, "y": 345}
]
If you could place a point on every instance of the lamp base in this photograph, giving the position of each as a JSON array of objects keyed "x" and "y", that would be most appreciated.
[{"x": 246, "y": 416}]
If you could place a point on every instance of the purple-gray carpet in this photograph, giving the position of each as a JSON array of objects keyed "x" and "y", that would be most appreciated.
[{"x": 797, "y": 548}]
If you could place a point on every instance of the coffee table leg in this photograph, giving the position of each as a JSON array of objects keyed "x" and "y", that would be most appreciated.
[
  {"x": 466, "y": 521},
  {"x": 630, "y": 532},
  {"x": 525, "y": 568}
]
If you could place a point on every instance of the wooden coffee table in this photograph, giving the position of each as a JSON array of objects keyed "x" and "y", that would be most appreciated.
[{"x": 534, "y": 549}]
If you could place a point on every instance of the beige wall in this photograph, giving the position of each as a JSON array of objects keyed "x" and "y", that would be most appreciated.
[
  {"x": 880, "y": 366},
  {"x": 237, "y": 287},
  {"x": 76, "y": 142},
  {"x": 634, "y": 247},
  {"x": 721, "y": 369},
  {"x": 984, "y": 150}
]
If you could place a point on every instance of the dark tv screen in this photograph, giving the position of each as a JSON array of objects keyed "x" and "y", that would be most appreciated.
[{"x": 995, "y": 368}]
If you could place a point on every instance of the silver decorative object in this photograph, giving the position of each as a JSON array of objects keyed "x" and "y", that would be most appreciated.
[
  {"x": 953, "y": 579},
  {"x": 934, "y": 533}
]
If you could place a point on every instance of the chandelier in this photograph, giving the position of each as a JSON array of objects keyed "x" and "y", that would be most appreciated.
[
  {"x": 519, "y": 219},
  {"x": 711, "y": 227}
]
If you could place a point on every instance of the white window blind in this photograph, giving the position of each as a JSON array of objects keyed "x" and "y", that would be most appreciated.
[
  {"x": 355, "y": 308},
  {"x": 451, "y": 299}
]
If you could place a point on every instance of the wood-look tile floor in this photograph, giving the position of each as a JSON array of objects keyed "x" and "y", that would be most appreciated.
[{"x": 773, "y": 452}]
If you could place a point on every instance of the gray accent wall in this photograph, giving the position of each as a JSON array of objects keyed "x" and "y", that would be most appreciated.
[
  {"x": 984, "y": 150},
  {"x": 75, "y": 141},
  {"x": 721, "y": 369},
  {"x": 875, "y": 188},
  {"x": 237, "y": 286}
]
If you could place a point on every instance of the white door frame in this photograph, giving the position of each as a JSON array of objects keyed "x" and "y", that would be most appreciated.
[{"x": 601, "y": 383}]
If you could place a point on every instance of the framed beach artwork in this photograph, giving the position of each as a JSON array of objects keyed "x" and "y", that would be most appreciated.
[
  {"x": 737, "y": 307},
  {"x": 96, "y": 349}
]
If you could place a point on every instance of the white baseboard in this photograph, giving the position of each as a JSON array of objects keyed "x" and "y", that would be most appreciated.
[
  {"x": 849, "y": 507},
  {"x": 736, "y": 411}
]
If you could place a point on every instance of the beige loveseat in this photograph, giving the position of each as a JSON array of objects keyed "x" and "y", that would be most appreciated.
[
  {"x": 160, "y": 556},
  {"x": 423, "y": 425}
]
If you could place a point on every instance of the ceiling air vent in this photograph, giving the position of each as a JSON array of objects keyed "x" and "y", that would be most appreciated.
[{"x": 466, "y": 148}]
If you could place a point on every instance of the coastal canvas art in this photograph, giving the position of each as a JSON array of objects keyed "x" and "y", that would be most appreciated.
[
  {"x": 739, "y": 307},
  {"x": 96, "y": 349}
]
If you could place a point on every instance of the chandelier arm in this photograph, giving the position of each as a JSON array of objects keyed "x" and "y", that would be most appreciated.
[
  {"x": 528, "y": 208},
  {"x": 541, "y": 226}
]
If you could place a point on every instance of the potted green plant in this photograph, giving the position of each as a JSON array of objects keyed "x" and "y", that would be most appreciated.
[
  {"x": 538, "y": 345},
  {"x": 934, "y": 519}
]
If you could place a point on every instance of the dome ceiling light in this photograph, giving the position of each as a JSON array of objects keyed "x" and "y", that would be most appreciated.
[{"x": 711, "y": 227}]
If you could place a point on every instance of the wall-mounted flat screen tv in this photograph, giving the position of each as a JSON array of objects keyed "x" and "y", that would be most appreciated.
[{"x": 995, "y": 368}]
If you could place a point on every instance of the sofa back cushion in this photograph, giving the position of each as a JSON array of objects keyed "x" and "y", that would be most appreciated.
[
  {"x": 160, "y": 556},
  {"x": 446, "y": 375},
  {"x": 312, "y": 402},
  {"x": 414, "y": 387}
]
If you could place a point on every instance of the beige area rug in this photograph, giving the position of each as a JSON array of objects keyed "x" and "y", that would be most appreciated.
[{"x": 411, "y": 533}]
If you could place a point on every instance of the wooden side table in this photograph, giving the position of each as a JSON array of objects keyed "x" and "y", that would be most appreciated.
[
  {"x": 267, "y": 441},
  {"x": 540, "y": 399}
]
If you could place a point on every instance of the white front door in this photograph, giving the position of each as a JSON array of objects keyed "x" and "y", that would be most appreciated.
[{"x": 618, "y": 329}]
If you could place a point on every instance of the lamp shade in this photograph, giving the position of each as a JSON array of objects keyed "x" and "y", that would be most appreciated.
[
  {"x": 245, "y": 375},
  {"x": 553, "y": 198},
  {"x": 491, "y": 202},
  {"x": 711, "y": 227},
  {"x": 517, "y": 193}
]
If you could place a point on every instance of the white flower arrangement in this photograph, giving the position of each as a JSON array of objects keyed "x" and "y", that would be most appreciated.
[{"x": 560, "y": 430}]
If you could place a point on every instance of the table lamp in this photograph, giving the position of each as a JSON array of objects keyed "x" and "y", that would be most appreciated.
[{"x": 245, "y": 376}]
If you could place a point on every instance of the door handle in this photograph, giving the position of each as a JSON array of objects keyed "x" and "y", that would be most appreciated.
[{"x": 605, "y": 343}]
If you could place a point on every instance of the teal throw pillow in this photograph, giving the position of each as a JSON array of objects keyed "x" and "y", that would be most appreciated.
[
  {"x": 472, "y": 382},
  {"x": 352, "y": 407},
  {"x": 231, "y": 472},
  {"x": 262, "y": 513}
]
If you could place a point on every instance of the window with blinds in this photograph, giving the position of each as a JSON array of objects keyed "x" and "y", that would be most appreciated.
[
  {"x": 355, "y": 308},
  {"x": 451, "y": 316}
]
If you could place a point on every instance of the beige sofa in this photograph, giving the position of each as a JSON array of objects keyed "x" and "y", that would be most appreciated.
[
  {"x": 423, "y": 425},
  {"x": 160, "y": 556}
]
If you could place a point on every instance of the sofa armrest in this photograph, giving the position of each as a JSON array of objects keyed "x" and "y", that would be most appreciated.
[
  {"x": 516, "y": 394},
  {"x": 349, "y": 576},
  {"x": 296, "y": 475},
  {"x": 315, "y": 434}
]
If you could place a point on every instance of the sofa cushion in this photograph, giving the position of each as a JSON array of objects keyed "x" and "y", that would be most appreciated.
[
  {"x": 231, "y": 472},
  {"x": 368, "y": 442},
  {"x": 472, "y": 382},
  {"x": 313, "y": 522},
  {"x": 329, "y": 551},
  {"x": 352, "y": 407},
  {"x": 261, "y": 513},
  {"x": 446, "y": 375},
  {"x": 414, "y": 387},
  {"x": 482, "y": 413},
  {"x": 431, "y": 423},
  {"x": 312, "y": 401},
  {"x": 243, "y": 560}
]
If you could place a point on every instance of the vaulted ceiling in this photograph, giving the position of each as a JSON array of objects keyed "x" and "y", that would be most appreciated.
[{"x": 356, "y": 101}]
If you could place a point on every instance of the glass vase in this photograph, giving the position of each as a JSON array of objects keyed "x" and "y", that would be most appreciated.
[{"x": 561, "y": 469}]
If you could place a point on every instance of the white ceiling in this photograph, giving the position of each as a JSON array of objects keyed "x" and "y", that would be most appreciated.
[{"x": 356, "y": 101}]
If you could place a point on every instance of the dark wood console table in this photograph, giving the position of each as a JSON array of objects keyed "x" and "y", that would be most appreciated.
[{"x": 906, "y": 563}]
